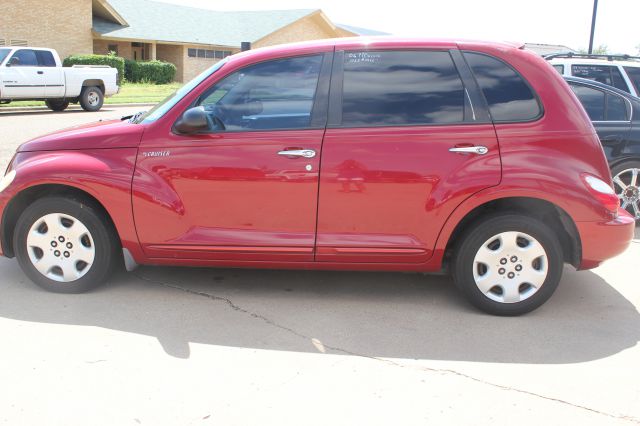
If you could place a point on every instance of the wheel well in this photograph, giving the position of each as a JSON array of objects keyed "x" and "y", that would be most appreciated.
[
  {"x": 552, "y": 215},
  {"x": 22, "y": 200},
  {"x": 97, "y": 83}
]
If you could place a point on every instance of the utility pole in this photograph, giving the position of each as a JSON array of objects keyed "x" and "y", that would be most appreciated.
[{"x": 593, "y": 25}]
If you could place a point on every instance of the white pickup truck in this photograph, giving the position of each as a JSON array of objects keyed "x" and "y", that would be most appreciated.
[{"x": 30, "y": 73}]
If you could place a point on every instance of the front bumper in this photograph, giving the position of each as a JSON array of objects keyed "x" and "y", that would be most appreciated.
[{"x": 604, "y": 240}]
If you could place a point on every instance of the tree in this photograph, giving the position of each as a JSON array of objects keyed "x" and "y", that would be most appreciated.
[{"x": 602, "y": 49}]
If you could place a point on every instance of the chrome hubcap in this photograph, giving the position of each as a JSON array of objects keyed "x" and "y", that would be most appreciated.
[
  {"x": 510, "y": 267},
  {"x": 627, "y": 187},
  {"x": 93, "y": 98},
  {"x": 60, "y": 247}
]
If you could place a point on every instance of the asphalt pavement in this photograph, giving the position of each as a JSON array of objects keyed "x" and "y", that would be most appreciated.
[{"x": 182, "y": 346}]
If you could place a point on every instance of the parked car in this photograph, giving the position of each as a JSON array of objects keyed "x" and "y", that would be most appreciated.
[
  {"x": 616, "y": 116},
  {"x": 619, "y": 71},
  {"x": 465, "y": 157},
  {"x": 29, "y": 73}
]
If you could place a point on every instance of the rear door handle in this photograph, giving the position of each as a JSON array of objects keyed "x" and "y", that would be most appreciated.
[
  {"x": 40, "y": 72},
  {"x": 306, "y": 153},
  {"x": 479, "y": 149}
]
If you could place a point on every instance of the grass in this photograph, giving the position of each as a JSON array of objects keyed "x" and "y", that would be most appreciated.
[{"x": 130, "y": 93}]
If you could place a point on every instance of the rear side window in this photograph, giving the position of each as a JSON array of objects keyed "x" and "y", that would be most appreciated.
[
  {"x": 509, "y": 97},
  {"x": 395, "y": 88},
  {"x": 634, "y": 76},
  {"x": 601, "y": 73},
  {"x": 559, "y": 68},
  {"x": 601, "y": 106},
  {"x": 24, "y": 58},
  {"x": 45, "y": 58}
]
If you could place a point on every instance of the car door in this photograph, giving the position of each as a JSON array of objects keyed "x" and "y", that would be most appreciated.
[
  {"x": 21, "y": 77},
  {"x": 247, "y": 188},
  {"x": 408, "y": 140},
  {"x": 610, "y": 114},
  {"x": 52, "y": 76}
]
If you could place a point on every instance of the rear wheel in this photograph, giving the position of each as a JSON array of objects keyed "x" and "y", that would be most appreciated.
[
  {"x": 626, "y": 182},
  {"x": 64, "y": 245},
  {"x": 91, "y": 98},
  {"x": 57, "y": 104},
  {"x": 508, "y": 264}
]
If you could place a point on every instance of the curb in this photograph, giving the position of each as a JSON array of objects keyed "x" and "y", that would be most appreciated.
[{"x": 71, "y": 107}]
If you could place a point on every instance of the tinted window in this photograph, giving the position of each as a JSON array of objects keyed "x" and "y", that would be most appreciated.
[
  {"x": 4, "y": 53},
  {"x": 508, "y": 96},
  {"x": 632, "y": 72},
  {"x": 271, "y": 95},
  {"x": 592, "y": 100},
  {"x": 559, "y": 68},
  {"x": 616, "y": 108},
  {"x": 45, "y": 58},
  {"x": 602, "y": 73},
  {"x": 401, "y": 88},
  {"x": 25, "y": 58}
]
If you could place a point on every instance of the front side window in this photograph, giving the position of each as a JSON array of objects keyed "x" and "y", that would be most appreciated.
[
  {"x": 277, "y": 94},
  {"x": 605, "y": 74},
  {"x": 24, "y": 58},
  {"x": 45, "y": 58},
  {"x": 601, "y": 106},
  {"x": 395, "y": 88},
  {"x": 509, "y": 97},
  {"x": 634, "y": 76}
]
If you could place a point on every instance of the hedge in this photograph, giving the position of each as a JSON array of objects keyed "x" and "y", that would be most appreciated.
[
  {"x": 151, "y": 71},
  {"x": 110, "y": 60}
]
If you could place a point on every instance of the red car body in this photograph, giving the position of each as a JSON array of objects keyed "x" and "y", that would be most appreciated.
[{"x": 383, "y": 198}]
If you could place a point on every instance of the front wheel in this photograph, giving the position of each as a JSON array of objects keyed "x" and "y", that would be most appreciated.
[
  {"x": 64, "y": 245},
  {"x": 508, "y": 264},
  {"x": 56, "y": 104},
  {"x": 626, "y": 182},
  {"x": 91, "y": 98}
]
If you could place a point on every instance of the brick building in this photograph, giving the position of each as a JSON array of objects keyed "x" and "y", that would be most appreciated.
[{"x": 190, "y": 38}]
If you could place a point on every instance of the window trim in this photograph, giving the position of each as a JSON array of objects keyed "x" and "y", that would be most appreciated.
[
  {"x": 337, "y": 91},
  {"x": 526, "y": 82},
  {"x": 319, "y": 106}
]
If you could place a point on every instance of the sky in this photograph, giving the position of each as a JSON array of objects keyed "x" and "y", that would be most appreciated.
[{"x": 565, "y": 22}]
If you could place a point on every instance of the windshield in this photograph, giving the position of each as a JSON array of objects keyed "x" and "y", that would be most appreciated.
[
  {"x": 3, "y": 54},
  {"x": 161, "y": 109}
]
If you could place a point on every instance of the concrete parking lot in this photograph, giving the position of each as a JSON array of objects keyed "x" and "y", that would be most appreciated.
[{"x": 227, "y": 346}]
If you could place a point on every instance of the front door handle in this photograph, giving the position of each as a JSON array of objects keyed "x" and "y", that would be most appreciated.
[
  {"x": 306, "y": 153},
  {"x": 480, "y": 150},
  {"x": 40, "y": 72}
]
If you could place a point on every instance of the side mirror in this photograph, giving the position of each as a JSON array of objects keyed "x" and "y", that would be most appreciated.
[{"x": 193, "y": 120}]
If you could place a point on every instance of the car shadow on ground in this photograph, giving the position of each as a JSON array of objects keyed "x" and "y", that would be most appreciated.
[{"x": 358, "y": 313}]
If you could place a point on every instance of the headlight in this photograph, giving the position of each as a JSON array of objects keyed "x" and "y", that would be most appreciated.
[{"x": 7, "y": 179}]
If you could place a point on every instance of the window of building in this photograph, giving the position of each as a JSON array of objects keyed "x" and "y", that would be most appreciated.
[
  {"x": 112, "y": 48},
  {"x": 509, "y": 97},
  {"x": 208, "y": 53},
  {"x": 277, "y": 94},
  {"x": 45, "y": 58},
  {"x": 602, "y": 73},
  {"x": 394, "y": 88},
  {"x": 24, "y": 58}
]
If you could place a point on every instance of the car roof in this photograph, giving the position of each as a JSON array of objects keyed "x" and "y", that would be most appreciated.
[
  {"x": 587, "y": 82},
  {"x": 592, "y": 61}
]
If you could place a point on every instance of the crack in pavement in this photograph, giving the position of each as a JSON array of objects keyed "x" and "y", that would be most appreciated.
[{"x": 270, "y": 322}]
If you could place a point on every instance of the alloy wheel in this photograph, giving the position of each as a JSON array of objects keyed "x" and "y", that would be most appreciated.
[{"x": 627, "y": 186}]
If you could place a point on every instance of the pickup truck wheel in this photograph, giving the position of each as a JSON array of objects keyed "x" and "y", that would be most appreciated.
[
  {"x": 56, "y": 104},
  {"x": 65, "y": 245},
  {"x": 91, "y": 98},
  {"x": 508, "y": 264}
]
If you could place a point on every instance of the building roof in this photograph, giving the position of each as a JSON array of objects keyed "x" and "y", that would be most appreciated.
[
  {"x": 547, "y": 49},
  {"x": 361, "y": 31},
  {"x": 150, "y": 20}
]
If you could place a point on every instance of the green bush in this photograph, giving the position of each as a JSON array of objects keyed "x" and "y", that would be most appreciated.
[
  {"x": 110, "y": 60},
  {"x": 151, "y": 71}
]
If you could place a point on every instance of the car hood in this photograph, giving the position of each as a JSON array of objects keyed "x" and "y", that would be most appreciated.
[{"x": 98, "y": 135}]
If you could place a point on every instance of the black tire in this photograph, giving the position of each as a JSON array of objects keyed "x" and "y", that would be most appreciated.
[
  {"x": 91, "y": 98},
  {"x": 481, "y": 232},
  {"x": 56, "y": 104},
  {"x": 102, "y": 234},
  {"x": 627, "y": 165}
]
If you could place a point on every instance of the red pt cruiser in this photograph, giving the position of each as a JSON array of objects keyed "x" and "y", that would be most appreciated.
[{"x": 363, "y": 154}]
